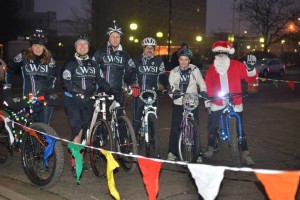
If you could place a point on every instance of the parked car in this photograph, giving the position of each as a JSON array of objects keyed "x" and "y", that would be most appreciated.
[{"x": 267, "y": 66}]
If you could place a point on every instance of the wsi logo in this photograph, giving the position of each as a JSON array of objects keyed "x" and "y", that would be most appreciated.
[
  {"x": 85, "y": 70},
  {"x": 32, "y": 68},
  {"x": 184, "y": 78},
  {"x": 111, "y": 59},
  {"x": 149, "y": 69}
]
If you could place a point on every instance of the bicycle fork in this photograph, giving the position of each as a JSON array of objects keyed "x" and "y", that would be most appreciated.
[{"x": 225, "y": 134}]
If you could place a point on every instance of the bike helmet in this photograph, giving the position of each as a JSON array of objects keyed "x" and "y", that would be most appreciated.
[
  {"x": 82, "y": 36},
  {"x": 149, "y": 41},
  {"x": 114, "y": 28},
  {"x": 39, "y": 37},
  {"x": 185, "y": 52}
]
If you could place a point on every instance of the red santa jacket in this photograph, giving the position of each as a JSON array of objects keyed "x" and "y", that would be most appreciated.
[{"x": 235, "y": 74}]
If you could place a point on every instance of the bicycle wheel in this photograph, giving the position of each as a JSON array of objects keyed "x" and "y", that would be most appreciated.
[
  {"x": 126, "y": 144},
  {"x": 32, "y": 153},
  {"x": 101, "y": 137},
  {"x": 7, "y": 153},
  {"x": 234, "y": 142},
  {"x": 152, "y": 147},
  {"x": 189, "y": 142}
]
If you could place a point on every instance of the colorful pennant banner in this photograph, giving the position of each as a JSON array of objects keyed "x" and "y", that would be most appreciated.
[{"x": 279, "y": 184}]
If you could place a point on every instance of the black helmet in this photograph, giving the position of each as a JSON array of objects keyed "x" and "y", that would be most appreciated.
[
  {"x": 82, "y": 36},
  {"x": 185, "y": 52},
  {"x": 114, "y": 28},
  {"x": 39, "y": 37}
]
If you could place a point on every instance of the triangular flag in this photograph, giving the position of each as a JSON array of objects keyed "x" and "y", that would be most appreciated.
[
  {"x": 291, "y": 84},
  {"x": 49, "y": 149},
  {"x": 111, "y": 165},
  {"x": 150, "y": 170},
  {"x": 263, "y": 79},
  {"x": 34, "y": 134},
  {"x": 75, "y": 150},
  {"x": 208, "y": 179},
  {"x": 281, "y": 185},
  {"x": 275, "y": 83}
]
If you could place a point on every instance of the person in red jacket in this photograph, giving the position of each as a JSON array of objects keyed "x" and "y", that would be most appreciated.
[{"x": 225, "y": 75}]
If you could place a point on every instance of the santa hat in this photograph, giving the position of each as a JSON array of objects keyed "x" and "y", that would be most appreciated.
[{"x": 223, "y": 46}]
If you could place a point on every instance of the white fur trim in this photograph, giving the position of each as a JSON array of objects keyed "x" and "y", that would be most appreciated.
[{"x": 231, "y": 51}]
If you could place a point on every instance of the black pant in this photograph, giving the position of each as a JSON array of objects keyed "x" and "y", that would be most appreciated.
[
  {"x": 214, "y": 122},
  {"x": 45, "y": 115},
  {"x": 79, "y": 114},
  {"x": 175, "y": 127}
]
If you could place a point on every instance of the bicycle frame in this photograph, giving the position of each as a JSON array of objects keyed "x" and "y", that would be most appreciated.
[
  {"x": 100, "y": 107},
  {"x": 149, "y": 108},
  {"x": 190, "y": 102},
  {"x": 229, "y": 112}
]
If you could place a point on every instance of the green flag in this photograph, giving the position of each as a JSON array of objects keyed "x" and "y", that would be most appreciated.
[{"x": 75, "y": 150}]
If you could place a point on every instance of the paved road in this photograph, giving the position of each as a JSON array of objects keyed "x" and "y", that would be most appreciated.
[{"x": 272, "y": 122}]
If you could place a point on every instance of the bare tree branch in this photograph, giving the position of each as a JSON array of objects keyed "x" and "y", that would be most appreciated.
[{"x": 270, "y": 18}]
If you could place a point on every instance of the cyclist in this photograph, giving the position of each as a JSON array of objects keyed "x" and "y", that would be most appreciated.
[
  {"x": 150, "y": 71},
  {"x": 80, "y": 77},
  {"x": 38, "y": 72},
  {"x": 184, "y": 78},
  {"x": 115, "y": 63},
  {"x": 225, "y": 75}
]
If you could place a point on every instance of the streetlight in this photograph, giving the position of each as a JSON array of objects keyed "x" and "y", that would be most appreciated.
[
  {"x": 198, "y": 38},
  {"x": 131, "y": 38},
  {"x": 133, "y": 26},
  {"x": 136, "y": 40},
  {"x": 262, "y": 43},
  {"x": 159, "y": 34}
]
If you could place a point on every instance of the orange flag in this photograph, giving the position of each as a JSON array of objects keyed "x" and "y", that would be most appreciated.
[
  {"x": 281, "y": 185},
  {"x": 150, "y": 170},
  {"x": 291, "y": 84}
]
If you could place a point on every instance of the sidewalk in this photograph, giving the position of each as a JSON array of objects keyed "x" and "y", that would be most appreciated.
[{"x": 13, "y": 189}]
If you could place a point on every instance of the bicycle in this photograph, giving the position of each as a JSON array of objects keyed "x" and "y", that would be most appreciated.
[
  {"x": 230, "y": 127},
  {"x": 189, "y": 144},
  {"x": 123, "y": 143},
  {"x": 148, "y": 132},
  {"x": 99, "y": 135},
  {"x": 42, "y": 169}
]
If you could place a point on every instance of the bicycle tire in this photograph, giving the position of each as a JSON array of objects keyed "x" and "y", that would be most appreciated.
[
  {"x": 234, "y": 143},
  {"x": 101, "y": 137},
  {"x": 32, "y": 154},
  {"x": 189, "y": 142},
  {"x": 7, "y": 152},
  {"x": 126, "y": 144},
  {"x": 152, "y": 147}
]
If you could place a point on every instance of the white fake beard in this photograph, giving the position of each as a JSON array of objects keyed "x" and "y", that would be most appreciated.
[{"x": 222, "y": 65}]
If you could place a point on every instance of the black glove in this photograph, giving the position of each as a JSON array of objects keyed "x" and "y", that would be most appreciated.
[
  {"x": 110, "y": 92},
  {"x": 204, "y": 94},
  {"x": 176, "y": 94}
]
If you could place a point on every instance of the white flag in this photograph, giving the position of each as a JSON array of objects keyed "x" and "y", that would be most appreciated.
[{"x": 208, "y": 179}]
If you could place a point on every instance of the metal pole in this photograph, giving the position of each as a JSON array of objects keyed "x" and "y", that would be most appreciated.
[{"x": 169, "y": 31}]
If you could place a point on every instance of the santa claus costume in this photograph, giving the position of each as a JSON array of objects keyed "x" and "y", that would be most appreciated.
[{"x": 225, "y": 75}]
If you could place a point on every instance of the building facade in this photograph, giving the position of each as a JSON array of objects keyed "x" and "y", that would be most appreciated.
[{"x": 183, "y": 20}]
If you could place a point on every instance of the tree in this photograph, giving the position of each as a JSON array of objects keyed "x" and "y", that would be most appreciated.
[{"x": 271, "y": 18}]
